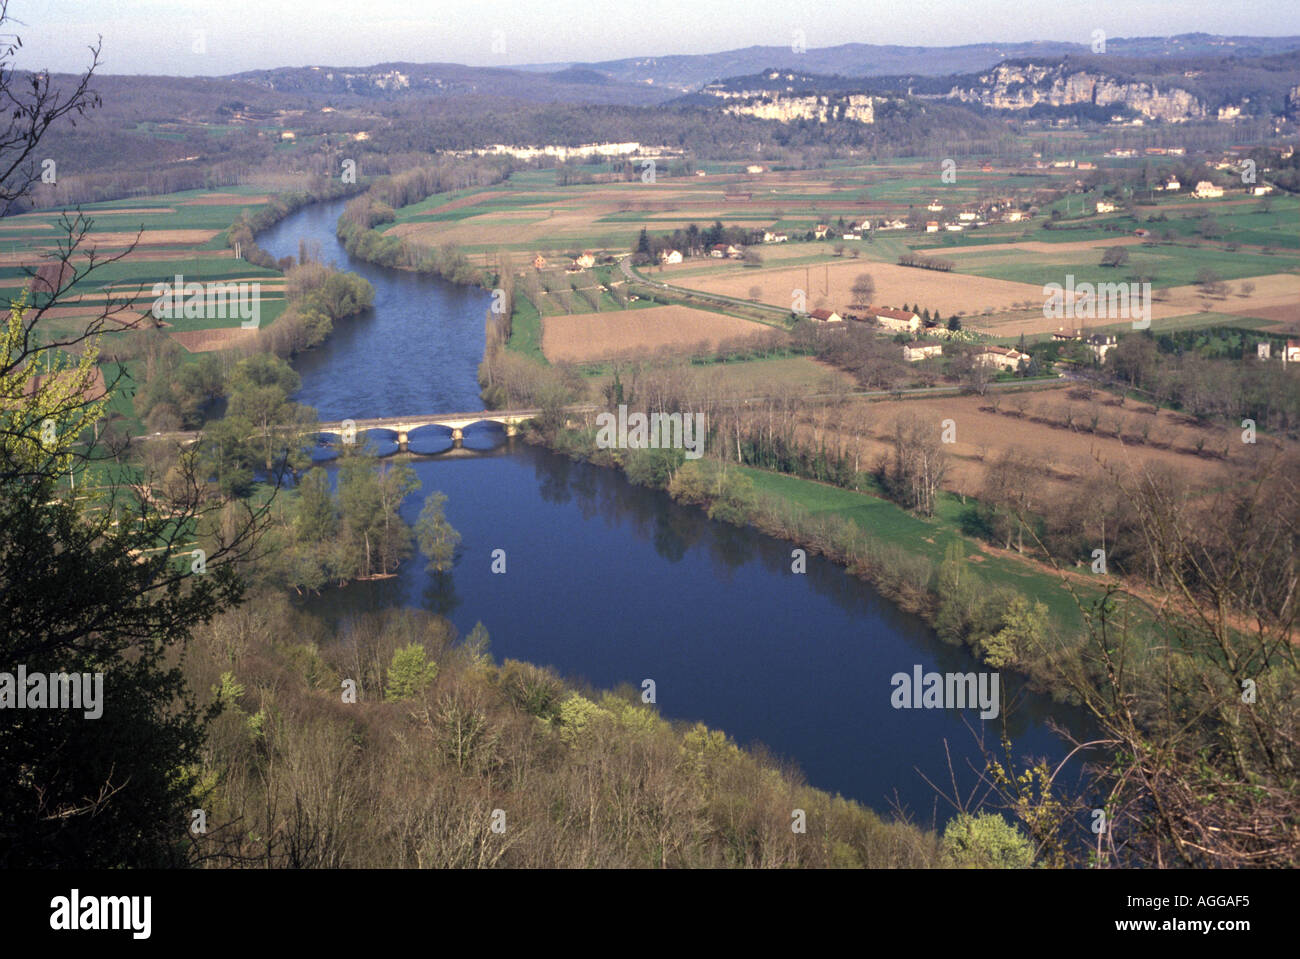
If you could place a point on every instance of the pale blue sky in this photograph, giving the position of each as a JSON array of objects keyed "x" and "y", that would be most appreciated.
[{"x": 158, "y": 36}]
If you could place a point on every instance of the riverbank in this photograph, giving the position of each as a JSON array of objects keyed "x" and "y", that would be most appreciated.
[{"x": 1010, "y": 612}]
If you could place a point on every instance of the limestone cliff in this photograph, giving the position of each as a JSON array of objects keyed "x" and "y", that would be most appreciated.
[
  {"x": 822, "y": 108},
  {"x": 1019, "y": 86}
]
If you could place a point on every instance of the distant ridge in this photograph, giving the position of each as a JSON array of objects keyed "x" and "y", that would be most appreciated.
[{"x": 684, "y": 72}]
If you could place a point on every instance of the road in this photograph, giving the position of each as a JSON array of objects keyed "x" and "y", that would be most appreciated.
[{"x": 625, "y": 265}]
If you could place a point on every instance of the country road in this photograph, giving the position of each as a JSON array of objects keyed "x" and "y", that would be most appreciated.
[{"x": 625, "y": 265}]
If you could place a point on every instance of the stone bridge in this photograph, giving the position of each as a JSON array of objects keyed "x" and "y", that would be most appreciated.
[{"x": 457, "y": 423}]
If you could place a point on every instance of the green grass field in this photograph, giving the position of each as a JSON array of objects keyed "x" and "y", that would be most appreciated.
[{"x": 925, "y": 537}]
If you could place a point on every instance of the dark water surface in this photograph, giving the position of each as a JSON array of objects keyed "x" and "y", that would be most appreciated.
[{"x": 613, "y": 583}]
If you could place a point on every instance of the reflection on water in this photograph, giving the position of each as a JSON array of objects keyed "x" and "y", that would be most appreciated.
[{"x": 614, "y": 584}]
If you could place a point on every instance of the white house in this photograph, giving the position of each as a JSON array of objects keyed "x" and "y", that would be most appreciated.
[
  {"x": 670, "y": 256},
  {"x": 1105, "y": 206},
  {"x": 1205, "y": 190},
  {"x": 1173, "y": 184},
  {"x": 932, "y": 226},
  {"x": 901, "y": 321},
  {"x": 1292, "y": 352},
  {"x": 1101, "y": 344},
  {"x": 586, "y": 261},
  {"x": 919, "y": 351},
  {"x": 1001, "y": 357},
  {"x": 754, "y": 168}
]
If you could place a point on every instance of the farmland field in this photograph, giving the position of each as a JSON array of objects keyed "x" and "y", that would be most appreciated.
[
  {"x": 1100, "y": 434},
  {"x": 588, "y": 337},
  {"x": 999, "y": 269}
]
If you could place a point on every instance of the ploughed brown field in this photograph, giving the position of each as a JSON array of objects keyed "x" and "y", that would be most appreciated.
[
  {"x": 225, "y": 199},
  {"x": 587, "y": 337},
  {"x": 830, "y": 285},
  {"x": 205, "y": 341}
]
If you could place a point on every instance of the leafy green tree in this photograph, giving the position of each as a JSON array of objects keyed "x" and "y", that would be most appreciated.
[
  {"x": 315, "y": 560},
  {"x": 197, "y": 384},
  {"x": 984, "y": 841},
  {"x": 1024, "y": 626},
  {"x": 341, "y": 295},
  {"x": 228, "y": 456},
  {"x": 374, "y": 535},
  {"x": 410, "y": 673},
  {"x": 99, "y": 584},
  {"x": 653, "y": 467},
  {"x": 1114, "y": 256},
  {"x": 260, "y": 387},
  {"x": 437, "y": 538}
]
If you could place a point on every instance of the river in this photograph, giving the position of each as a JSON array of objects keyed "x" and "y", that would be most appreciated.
[{"x": 612, "y": 583}]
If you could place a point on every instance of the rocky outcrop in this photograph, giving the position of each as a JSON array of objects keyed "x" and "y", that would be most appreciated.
[
  {"x": 1018, "y": 87},
  {"x": 822, "y": 108}
]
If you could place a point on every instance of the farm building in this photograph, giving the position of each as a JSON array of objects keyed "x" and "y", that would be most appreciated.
[
  {"x": 903, "y": 321},
  {"x": 826, "y": 316},
  {"x": 920, "y": 351},
  {"x": 1001, "y": 357},
  {"x": 1101, "y": 344}
]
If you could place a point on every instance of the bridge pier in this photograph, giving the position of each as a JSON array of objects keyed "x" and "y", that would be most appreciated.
[
  {"x": 457, "y": 433},
  {"x": 402, "y": 439}
]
